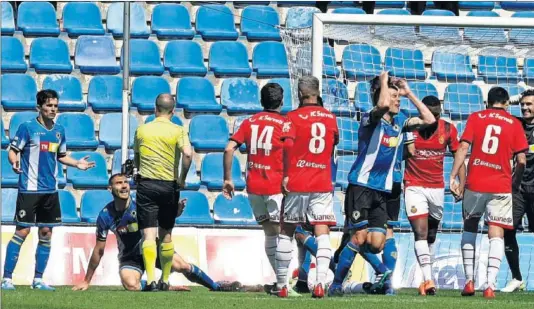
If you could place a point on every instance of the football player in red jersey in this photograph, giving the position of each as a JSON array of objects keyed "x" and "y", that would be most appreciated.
[
  {"x": 424, "y": 188},
  {"x": 495, "y": 137}
]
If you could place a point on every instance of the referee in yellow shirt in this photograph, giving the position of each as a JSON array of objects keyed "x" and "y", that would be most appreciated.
[{"x": 158, "y": 148}]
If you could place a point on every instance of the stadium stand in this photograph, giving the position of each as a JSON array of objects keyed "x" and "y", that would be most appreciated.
[
  {"x": 288, "y": 98},
  {"x": 96, "y": 55},
  {"x": 348, "y": 134},
  {"x": 392, "y": 32},
  {"x": 208, "y": 133},
  {"x": 211, "y": 172},
  {"x": 145, "y": 90},
  {"x": 362, "y": 97},
  {"x": 18, "y": 92},
  {"x": 5, "y": 139},
  {"x": 69, "y": 90},
  {"x": 528, "y": 71},
  {"x": 9, "y": 205},
  {"x": 79, "y": 130},
  {"x": 460, "y": 100},
  {"x": 240, "y": 96},
  {"x": 513, "y": 89},
  {"x": 477, "y": 5},
  {"x": 348, "y": 10},
  {"x": 336, "y": 98},
  {"x": 50, "y": 55},
  {"x": 197, "y": 95},
  {"x": 10, "y": 179},
  {"x": 485, "y": 35},
  {"x": 452, "y": 67},
  {"x": 237, "y": 123},
  {"x": 329, "y": 62},
  {"x": 517, "y": 5},
  {"x": 229, "y": 59},
  {"x": 256, "y": 21},
  {"x": 405, "y": 63},
  {"x": 361, "y": 62},
  {"x": 110, "y": 131},
  {"x": 8, "y": 19},
  {"x": 421, "y": 90},
  {"x": 17, "y": 119},
  {"x": 105, "y": 93},
  {"x": 92, "y": 203},
  {"x": 69, "y": 212},
  {"x": 344, "y": 163},
  {"x": 82, "y": 18},
  {"x": 12, "y": 55},
  {"x": 300, "y": 17},
  {"x": 174, "y": 119},
  {"x": 94, "y": 178},
  {"x": 171, "y": 21},
  {"x": 144, "y": 58},
  {"x": 115, "y": 20},
  {"x": 192, "y": 181},
  {"x": 440, "y": 33},
  {"x": 37, "y": 19},
  {"x": 200, "y": 214},
  {"x": 338, "y": 212},
  {"x": 61, "y": 177},
  {"x": 184, "y": 58},
  {"x": 269, "y": 60},
  {"x": 215, "y": 22},
  {"x": 236, "y": 211},
  {"x": 116, "y": 160},
  {"x": 498, "y": 69},
  {"x": 522, "y": 36},
  {"x": 452, "y": 214}
]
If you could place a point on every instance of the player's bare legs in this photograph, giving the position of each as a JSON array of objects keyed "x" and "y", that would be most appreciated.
[
  {"x": 469, "y": 239},
  {"x": 130, "y": 279}
]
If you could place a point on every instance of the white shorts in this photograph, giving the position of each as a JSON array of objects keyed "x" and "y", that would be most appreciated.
[
  {"x": 421, "y": 202},
  {"x": 266, "y": 207},
  {"x": 497, "y": 208},
  {"x": 315, "y": 208}
]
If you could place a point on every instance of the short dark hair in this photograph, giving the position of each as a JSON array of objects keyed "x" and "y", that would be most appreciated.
[
  {"x": 272, "y": 96},
  {"x": 44, "y": 95},
  {"x": 497, "y": 95},
  {"x": 110, "y": 181},
  {"x": 431, "y": 101},
  {"x": 376, "y": 88},
  {"x": 526, "y": 93}
]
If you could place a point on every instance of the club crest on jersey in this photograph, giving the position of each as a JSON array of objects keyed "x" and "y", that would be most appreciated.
[
  {"x": 286, "y": 127},
  {"x": 58, "y": 135},
  {"x": 390, "y": 141},
  {"x": 413, "y": 209},
  {"x": 441, "y": 139}
]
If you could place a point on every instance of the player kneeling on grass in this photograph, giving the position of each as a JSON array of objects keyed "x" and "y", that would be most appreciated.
[{"x": 120, "y": 216}]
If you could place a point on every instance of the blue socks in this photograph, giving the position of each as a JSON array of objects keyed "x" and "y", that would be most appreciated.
[
  {"x": 346, "y": 258},
  {"x": 389, "y": 255},
  {"x": 41, "y": 257},
  {"x": 305, "y": 267},
  {"x": 310, "y": 244},
  {"x": 196, "y": 275},
  {"x": 12, "y": 255},
  {"x": 373, "y": 260}
]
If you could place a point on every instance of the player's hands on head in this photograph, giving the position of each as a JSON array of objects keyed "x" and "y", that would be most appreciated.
[
  {"x": 228, "y": 189},
  {"x": 181, "y": 206},
  {"x": 402, "y": 84},
  {"x": 81, "y": 287},
  {"x": 384, "y": 78},
  {"x": 16, "y": 167},
  {"x": 285, "y": 181},
  {"x": 83, "y": 164}
]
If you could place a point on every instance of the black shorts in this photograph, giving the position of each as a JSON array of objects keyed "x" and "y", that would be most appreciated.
[
  {"x": 523, "y": 203},
  {"x": 157, "y": 203},
  {"x": 135, "y": 262},
  {"x": 366, "y": 208},
  {"x": 42, "y": 209},
  {"x": 393, "y": 204}
]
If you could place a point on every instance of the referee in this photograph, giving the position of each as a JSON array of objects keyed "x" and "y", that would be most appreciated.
[{"x": 158, "y": 148}]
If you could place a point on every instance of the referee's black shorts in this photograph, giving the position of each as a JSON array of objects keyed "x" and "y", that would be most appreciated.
[
  {"x": 523, "y": 204},
  {"x": 157, "y": 203}
]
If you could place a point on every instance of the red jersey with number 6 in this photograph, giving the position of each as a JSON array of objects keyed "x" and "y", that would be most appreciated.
[
  {"x": 495, "y": 137},
  {"x": 315, "y": 134},
  {"x": 265, "y": 168}
]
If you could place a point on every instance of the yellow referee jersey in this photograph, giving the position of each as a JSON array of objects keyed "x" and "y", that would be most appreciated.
[{"x": 159, "y": 144}]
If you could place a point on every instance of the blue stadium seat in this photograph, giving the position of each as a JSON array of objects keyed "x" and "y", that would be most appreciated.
[
  {"x": 5, "y": 139},
  {"x": 79, "y": 130},
  {"x": 300, "y": 17},
  {"x": 145, "y": 90},
  {"x": 477, "y": 5},
  {"x": 485, "y": 35},
  {"x": 115, "y": 20},
  {"x": 9, "y": 205},
  {"x": 344, "y": 164},
  {"x": 12, "y": 55},
  {"x": 197, "y": 95},
  {"x": 513, "y": 89},
  {"x": 288, "y": 97},
  {"x": 171, "y": 21},
  {"x": 294, "y": 3},
  {"x": 82, "y": 18},
  {"x": 391, "y": 4},
  {"x": 50, "y": 55},
  {"x": 61, "y": 177},
  {"x": 452, "y": 67},
  {"x": 229, "y": 59},
  {"x": 236, "y": 211},
  {"x": 404, "y": 223},
  {"x": 237, "y": 123},
  {"x": 408, "y": 32},
  {"x": 8, "y": 19},
  {"x": 216, "y": 22},
  {"x": 336, "y": 98},
  {"x": 208, "y": 133},
  {"x": 460, "y": 100},
  {"x": 348, "y": 134},
  {"x": 405, "y": 63},
  {"x": 498, "y": 69},
  {"x": 17, "y": 119},
  {"x": 528, "y": 71},
  {"x": 211, "y": 172},
  {"x": 110, "y": 131},
  {"x": 10, "y": 179},
  {"x": 240, "y": 96},
  {"x": 197, "y": 209},
  {"x": 421, "y": 90},
  {"x": 96, "y": 177},
  {"x": 330, "y": 68},
  {"x": 361, "y": 62},
  {"x": 269, "y": 60},
  {"x": 192, "y": 180},
  {"x": 447, "y": 168},
  {"x": 18, "y": 92},
  {"x": 338, "y": 212},
  {"x": 69, "y": 213},
  {"x": 522, "y": 36},
  {"x": 96, "y": 55},
  {"x": 116, "y": 163},
  {"x": 448, "y": 34},
  {"x": 69, "y": 89},
  {"x": 257, "y": 23},
  {"x": 184, "y": 58},
  {"x": 452, "y": 214},
  {"x": 348, "y": 10},
  {"x": 175, "y": 119},
  {"x": 37, "y": 19},
  {"x": 362, "y": 97},
  {"x": 515, "y": 110},
  {"x": 460, "y": 126},
  {"x": 105, "y": 93},
  {"x": 93, "y": 201},
  {"x": 144, "y": 58},
  {"x": 517, "y": 5}
]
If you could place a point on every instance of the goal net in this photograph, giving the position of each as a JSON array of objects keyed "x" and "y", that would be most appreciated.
[{"x": 457, "y": 59}]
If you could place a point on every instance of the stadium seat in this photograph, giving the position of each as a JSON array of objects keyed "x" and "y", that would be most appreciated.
[
  {"x": 515, "y": 110},
  {"x": 192, "y": 180},
  {"x": 17, "y": 119},
  {"x": 336, "y": 98},
  {"x": 211, "y": 172},
  {"x": 12, "y": 55},
  {"x": 421, "y": 90},
  {"x": 5, "y": 139},
  {"x": 477, "y": 5},
  {"x": 8, "y": 20},
  {"x": 288, "y": 97},
  {"x": 116, "y": 163},
  {"x": 50, "y": 55},
  {"x": 485, "y": 35},
  {"x": 348, "y": 134},
  {"x": 229, "y": 59},
  {"x": 115, "y": 20},
  {"x": 82, "y": 18},
  {"x": 344, "y": 164},
  {"x": 404, "y": 223},
  {"x": 110, "y": 131},
  {"x": 269, "y": 60},
  {"x": 447, "y": 34},
  {"x": 96, "y": 177},
  {"x": 184, "y": 58},
  {"x": 452, "y": 214},
  {"x": 144, "y": 58},
  {"x": 338, "y": 212},
  {"x": 61, "y": 177},
  {"x": 175, "y": 119},
  {"x": 460, "y": 100},
  {"x": 517, "y": 5},
  {"x": 145, "y": 90},
  {"x": 391, "y": 4},
  {"x": 67, "y": 202},
  {"x": 9, "y": 205},
  {"x": 37, "y": 19},
  {"x": 93, "y": 201},
  {"x": 361, "y": 62},
  {"x": 452, "y": 68},
  {"x": 208, "y": 133},
  {"x": 362, "y": 97},
  {"x": 240, "y": 96},
  {"x": 197, "y": 95},
  {"x": 18, "y": 92},
  {"x": 405, "y": 63},
  {"x": 391, "y": 32},
  {"x": 498, "y": 69},
  {"x": 105, "y": 94},
  {"x": 348, "y": 10},
  {"x": 79, "y": 130},
  {"x": 447, "y": 168},
  {"x": 300, "y": 17},
  {"x": 216, "y": 22},
  {"x": 528, "y": 71},
  {"x": 237, "y": 123},
  {"x": 460, "y": 126},
  {"x": 10, "y": 179},
  {"x": 513, "y": 89},
  {"x": 96, "y": 55},
  {"x": 522, "y": 36},
  {"x": 199, "y": 213},
  {"x": 236, "y": 211},
  {"x": 69, "y": 89},
  {"x": 257, "y": 23},
  {"x": 330, "y": 68},
  {"x": 171, "y": 21}
]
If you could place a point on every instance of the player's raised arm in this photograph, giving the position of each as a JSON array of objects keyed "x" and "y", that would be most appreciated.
[
  {"x": 383, "y": 103},
  {"x": 96, "y": 257},
  {"x": 426, "y": 117}
]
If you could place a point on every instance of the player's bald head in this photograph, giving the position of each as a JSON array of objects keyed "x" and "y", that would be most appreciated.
[
  {"x": 165, "y": 104},
  {"x": 308, "y": 88}
]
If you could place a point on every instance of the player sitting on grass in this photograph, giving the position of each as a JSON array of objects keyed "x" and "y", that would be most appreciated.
[{"x": 120, "y": 216}]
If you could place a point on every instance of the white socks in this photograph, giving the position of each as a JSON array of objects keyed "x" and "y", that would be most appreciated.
[
  {"x": 468, "y": 254},
  {"x": 496, "y": 251},
  {"x": 270, "y": 249},
  {"x": 431, "y": 250},
  {"x": 324, "y": 254},
  {"x": 422, "y": 252},
  {"x": 284, "y": 251}
]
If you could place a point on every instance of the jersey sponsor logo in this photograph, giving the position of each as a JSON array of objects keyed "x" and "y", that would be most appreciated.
[
  {"x": 505, "y": 220},
  {"x": 478, "y": 162},
  {"x": 389, "y": 141},
  {"x": 303, "y": 116},
  {"x": 530, "y": 148},
  {"x": 304, "y": 163},
  {"x": 258, "y": 166},
  {"x": 425, "y": 153},
  {"x": 268, "y": 118},
  {"x": 481, "y": 116},
  {"x": 48, "y": 147},
  {"x": 328, "y": 218},
  {"x": 321, "y": 114},
  {"x": 501, "y": 117}
]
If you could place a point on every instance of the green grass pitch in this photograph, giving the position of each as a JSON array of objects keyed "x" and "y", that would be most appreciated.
[{"x": 116, "y": 298}]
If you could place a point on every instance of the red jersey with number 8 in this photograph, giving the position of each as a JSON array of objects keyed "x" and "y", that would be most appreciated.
[
  {"x": 495, "y": 137},
  {"x": 315, "y": 134}
]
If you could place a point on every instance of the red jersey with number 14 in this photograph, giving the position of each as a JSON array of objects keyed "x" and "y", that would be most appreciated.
[
  {"x": 495, "y": 137},
  {"x": 314, "y": 132}
]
